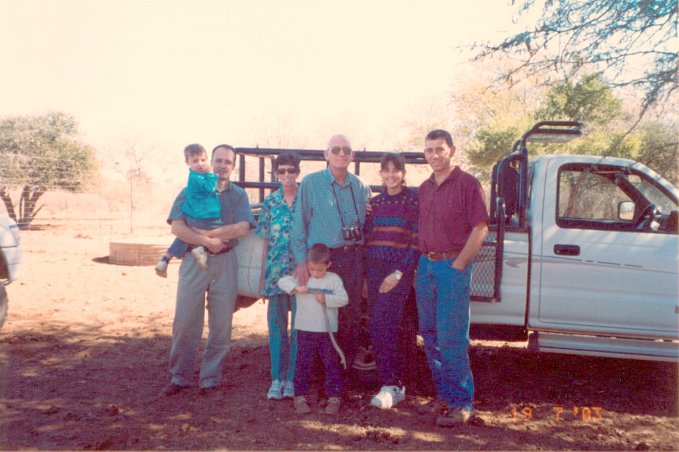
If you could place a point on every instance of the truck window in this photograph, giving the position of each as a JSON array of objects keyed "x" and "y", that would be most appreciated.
[
  {"x": 610, "y": 198},
  {"x": 588, "y": 196}
]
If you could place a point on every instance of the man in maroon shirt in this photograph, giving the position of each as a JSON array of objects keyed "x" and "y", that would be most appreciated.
[{"x": 452, "y": 226}]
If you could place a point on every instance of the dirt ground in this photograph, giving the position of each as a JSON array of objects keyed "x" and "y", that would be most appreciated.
[{"x": 84, "y": 354}]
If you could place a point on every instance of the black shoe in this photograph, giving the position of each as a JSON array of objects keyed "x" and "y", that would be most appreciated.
[{"x": 172, "y": 389}]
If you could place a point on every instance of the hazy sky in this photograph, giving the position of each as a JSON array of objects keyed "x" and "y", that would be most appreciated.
[{"x": 172, "y": 72}]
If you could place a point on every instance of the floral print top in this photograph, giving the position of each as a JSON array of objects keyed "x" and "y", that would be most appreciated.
[{"x": 274, "y": 225}]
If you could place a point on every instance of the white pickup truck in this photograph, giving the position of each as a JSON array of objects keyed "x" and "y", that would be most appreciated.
[
  {"x": 10, "y": 258},
  {"x": 581, "y": 258},
  {"x": 586, "y": 253}
]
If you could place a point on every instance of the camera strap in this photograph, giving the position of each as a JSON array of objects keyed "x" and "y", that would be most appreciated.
[{"x": 353, "y": 199}]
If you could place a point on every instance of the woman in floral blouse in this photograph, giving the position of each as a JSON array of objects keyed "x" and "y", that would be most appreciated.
[{"x": 274, "y": 226}]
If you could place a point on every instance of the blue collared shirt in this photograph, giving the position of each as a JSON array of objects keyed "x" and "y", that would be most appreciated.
[
  {"x": 316, "y": 218},
  {"x": 234, "y": 203}
]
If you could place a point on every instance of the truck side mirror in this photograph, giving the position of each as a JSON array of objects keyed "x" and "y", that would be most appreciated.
[{"x": 626, "y": 210}]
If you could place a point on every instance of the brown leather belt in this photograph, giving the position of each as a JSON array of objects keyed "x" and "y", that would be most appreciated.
[
  {"x": 346, "y": 249},
  {"x": 436, "y": 256}
]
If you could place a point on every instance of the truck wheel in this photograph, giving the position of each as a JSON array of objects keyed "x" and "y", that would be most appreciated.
[{"x": 3, "y": 304}]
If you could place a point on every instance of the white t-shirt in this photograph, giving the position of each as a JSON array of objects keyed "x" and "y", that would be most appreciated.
[{"x": 309, "y": 316}]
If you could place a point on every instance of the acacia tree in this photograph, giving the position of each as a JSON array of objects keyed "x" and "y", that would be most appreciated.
[
  {"x": 39, "y": 154},
  {"x": 612, "y": 37}
]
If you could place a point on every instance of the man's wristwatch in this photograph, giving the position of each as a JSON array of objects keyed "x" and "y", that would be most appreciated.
[{"x": 398, "y": 274}]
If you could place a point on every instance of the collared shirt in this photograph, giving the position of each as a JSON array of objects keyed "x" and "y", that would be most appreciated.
[
  {"x": 448, "y": 212},
  {"x": 322, "y": 207},
  {"x": 234, "y": 203},
  {"x": 274, "y": 225}
]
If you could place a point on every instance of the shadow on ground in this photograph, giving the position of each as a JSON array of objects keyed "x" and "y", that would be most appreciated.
[{"x": 84, "y": 390}]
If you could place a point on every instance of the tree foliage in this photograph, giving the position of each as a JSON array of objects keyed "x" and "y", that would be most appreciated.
[
  {"x": 653, "y": 143},
  {"x": 660, "y": 148},
  {"x": 492, "y": 142},
  {"x": 633, "y": 42},
  {"x": 491, "y": 117},
  {"x": 588, "y": 99},
  {"x": 39, "y": 154}
]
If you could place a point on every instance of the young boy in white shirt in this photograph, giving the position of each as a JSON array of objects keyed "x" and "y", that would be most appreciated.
[{"x": 318, "y": 306}]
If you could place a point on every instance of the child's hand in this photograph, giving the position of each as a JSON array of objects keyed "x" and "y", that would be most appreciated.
[
  {"x": 214, "y": 245},
  {"x": 320, "y": 297},
  {"x": 301, "y": 289}
]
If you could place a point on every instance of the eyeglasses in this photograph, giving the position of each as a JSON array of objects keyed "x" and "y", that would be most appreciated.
[
  {"x": 281, "y": 171},
  {"x": 336, "y": 150}
]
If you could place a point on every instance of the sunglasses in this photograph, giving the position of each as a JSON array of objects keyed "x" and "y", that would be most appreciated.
[
  {"x": 281, "y": 171},
  {"x": 336, "y": 150}
]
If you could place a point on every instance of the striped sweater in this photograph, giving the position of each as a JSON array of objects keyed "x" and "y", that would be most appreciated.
[{"x": 391, "y": 229}]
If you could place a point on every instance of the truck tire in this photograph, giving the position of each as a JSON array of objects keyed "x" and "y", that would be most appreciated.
[{"x": 3, "y": 304}]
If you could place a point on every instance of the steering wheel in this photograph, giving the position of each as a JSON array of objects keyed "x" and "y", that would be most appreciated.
[{"x": 646, "y": 217}]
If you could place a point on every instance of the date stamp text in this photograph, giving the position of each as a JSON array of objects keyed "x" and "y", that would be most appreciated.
[{"x": 558, "y": 413}]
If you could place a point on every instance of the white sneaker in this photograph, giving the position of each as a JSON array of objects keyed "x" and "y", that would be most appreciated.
[
  {"x": 201, "y": 257},
  {"x": 161, "y": 268},
  {"x": 288, "y": 389},
  {"x": 388, "y": 397},
  {"x": 275, "y": 391}
]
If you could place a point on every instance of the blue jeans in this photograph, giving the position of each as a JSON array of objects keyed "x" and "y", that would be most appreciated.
[
  {"x": 443, "y": 311},
  {"x": 309, "y": 344},
  {"x": 282, "y": 347},
  {"x": 179, "y": 248},
  {"x": 385, "y": 314}
]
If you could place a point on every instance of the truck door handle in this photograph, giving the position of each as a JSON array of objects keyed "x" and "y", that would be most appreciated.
[{"x": 567, "y": 250}]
